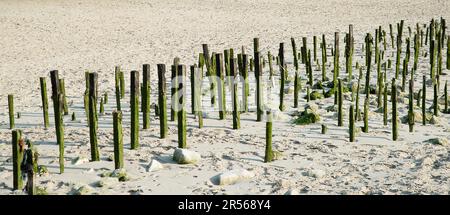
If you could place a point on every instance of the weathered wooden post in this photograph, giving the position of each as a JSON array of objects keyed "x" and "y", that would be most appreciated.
[
  {"x": 296, "y": 77},
  {"x": 435, "y": 99},
  {"x": 134, "y": 105},
  {"x": 394, "y": 111},
  {"x": 44, "y": 101},
  {"x": 340, "y": 102},
  {"x": 235, "y": 100},
  {"x": 369, "y": 41},
  {"x": 93, "y": 84},
  {"x": 146, "y": 96},
  {"x": 411, "y": 106},
  {"x": 57, "y": 108},
  {"x": 63, "y": 92},
  {"x": 349, "y": 52},
  {"x": 399, "y": 52},
  {"x": 17, "y": 150},
  {"x": 424, "y": 96},
  {"x": 245, "y": 85},
  {"x": 304, "y": 49},
  {"x": 315, "y": 48},
  {"x": 102, "y": 108},
  {"x": 122, "y": 83},
  {"x": 416, "y": 51},
  {"x": 11, "y": 111},
  {"x": 118, "y": 139},
  {"x": 181, "y": 73},
  {"x": 174, "y": 90},
  {"x": 192, "y": 79},
  {"x": 269, "y": 152},
  {"x": 324, "y": 58},
  {"x": 29, "y": 166},
  {"x": 336, "y": 59},
  {"x": 259, "y": 91},
  {"x": 445, "y": 98},
  {"x": 357, "y": 111},
  {"x": 220, "y": 86},
  {"x": 198, "y": 80},
  {"x": 117, "y": 87},
  {"x": 210, "y": 73},
  {"x": 162, "y": 100},
  {"x": 86, "y": 96},
  {"x": 391, "y": 34},
  {"x": 351, "y": 124},
  {"x": 282, "y": 74},
  {"x": 385, "y": 105},
  {"x": 366, "y": 115}
]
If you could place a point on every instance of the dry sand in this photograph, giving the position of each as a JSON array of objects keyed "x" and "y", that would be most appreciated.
[{"x": 75, "y": 36}]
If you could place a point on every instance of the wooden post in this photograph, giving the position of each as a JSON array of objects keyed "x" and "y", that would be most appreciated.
[
  {"x": 162, "y": 100},
  {"x": 315, "y": 48},
  {"x": 324, "y": 129},
  {"x": 282, "y": 73},
  {"x": 102, "y": 108},
  {"x": 181, "y": 73},
  {"x": 411, "y": 106},
  {"x": 93, "y": 84},
  {"x": 435, "y": 100},
  {"x": 63, "y": 92},
  {"x": 44, "y": 101},
  {"x": 17, "y": 150},
  {"x": 324, "y": 58},
  {"x": 210, "y": 72},
  {"x": 385, "y": 106},
  {"x": 351, "y": 124},
  {"x": 174, "y": 90},
  {"x": 340, "y": 102},
  {"x": 194, "y": 95},
  {"x": 303, "y": 50},
  {"x": 11, "y": 111},
  {"x": 357, "y": 112},
  {"x": 86, "y": 97},
  {"x": 394, "y": 111},
  {"x": 349, "y": 52},
  {"x": 198, "y": 80},
  {"x": 243, "y": 68},
  {"x": 134, "y": 104},
  {"x": 424, "y": 96},
  {"x": 366, "y": 115},
  {"x": 118, "y": 139},
  {"x": 271, "y": 72},
  {"x": 309, "y": 70},
  {"x": 220, "y": 86},
  {"x": 29, "y": 165},
  {"x": 296, "y": 77},
  {"x": 259, "y": 91},
  {"x": 117, "y": 86},
  {"x": 235, "y": 100},
  {"x": 146, "y": 96},
  {"x": 369, "y": 41},
  {"x": 122, "y": 84},
  {"x": 57, "y": 108},
  {"x": 336, "y": 59},
  {"x": 269, "y": 153},
  {"x": 416, "y": 51},
  {"x": 445, "y": 98}
]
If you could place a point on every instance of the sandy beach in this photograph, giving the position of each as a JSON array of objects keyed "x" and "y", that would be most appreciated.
[{"x": 80, "y": 35}]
